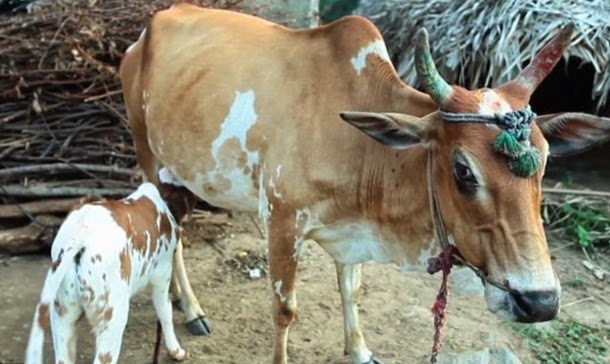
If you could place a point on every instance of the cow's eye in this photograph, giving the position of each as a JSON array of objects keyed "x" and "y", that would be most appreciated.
[
  {"x": 463, "y": 173},
  {"x": 464, "y": 178}
]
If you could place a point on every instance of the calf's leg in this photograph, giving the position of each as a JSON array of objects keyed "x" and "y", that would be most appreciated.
[
  {"x": 163, "y": 308},
  {"x": 109, "y": 318},
  {"x": 64, "y": 315}
]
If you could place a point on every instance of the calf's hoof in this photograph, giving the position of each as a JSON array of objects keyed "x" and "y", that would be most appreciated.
[
  {"x": 178, "y": 354},
  {"x": 199, "y": 326}
]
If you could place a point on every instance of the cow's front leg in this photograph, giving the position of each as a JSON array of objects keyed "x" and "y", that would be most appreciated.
[
  {"x": 348, "y": 277},
  {"x": 283, "y": 259}
]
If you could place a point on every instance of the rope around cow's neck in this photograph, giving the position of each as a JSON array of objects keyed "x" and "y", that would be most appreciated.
[{"x": 448, "y": 257}]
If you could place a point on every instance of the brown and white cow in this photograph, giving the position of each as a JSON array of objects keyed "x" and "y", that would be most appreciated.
[
  {"x": 246, "y": 113},
  {"x": 104, "y": 253}
]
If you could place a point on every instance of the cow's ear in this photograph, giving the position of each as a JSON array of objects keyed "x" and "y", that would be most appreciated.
[
  {"x": 398, "y": 131},
  {"x": 572, "y": 133}
]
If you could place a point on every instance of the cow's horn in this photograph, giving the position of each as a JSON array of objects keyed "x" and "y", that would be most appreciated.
[
  {"x": 432, "y": 82},
  {"x": 545, "y": 60}
]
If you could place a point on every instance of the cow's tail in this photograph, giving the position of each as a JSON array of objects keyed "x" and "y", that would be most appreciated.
[{"x": 55, "y": 276}]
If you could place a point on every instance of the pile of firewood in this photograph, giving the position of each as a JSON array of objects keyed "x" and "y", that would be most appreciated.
[{"x": 63, "y": 133}]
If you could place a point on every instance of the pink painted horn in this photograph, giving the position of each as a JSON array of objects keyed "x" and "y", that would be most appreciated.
[
  {"x": 432, "y": 82},
  {"x": 545, "y": 60}
]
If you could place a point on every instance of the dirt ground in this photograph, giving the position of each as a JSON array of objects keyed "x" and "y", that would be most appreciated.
[{"x": 395, "y": 308}]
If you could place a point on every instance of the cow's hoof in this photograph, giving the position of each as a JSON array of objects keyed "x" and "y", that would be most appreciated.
[
  {"x": 199, "y": 326},
  {"x": 373, "y": 360}
]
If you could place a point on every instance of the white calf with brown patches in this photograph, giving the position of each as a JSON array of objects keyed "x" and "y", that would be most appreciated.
[
  {"x": 250, "y": 118},
  {"x": 104, "y": 253}
]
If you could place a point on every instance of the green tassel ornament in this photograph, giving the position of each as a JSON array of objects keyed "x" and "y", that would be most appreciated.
[
  {"x": 506, "y": 144},
  {"x": 526, "y": 164}
]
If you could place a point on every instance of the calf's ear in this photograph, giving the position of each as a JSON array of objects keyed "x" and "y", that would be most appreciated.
[
  {"x": 398, "y": 131},
  {"x": 571, "y": 133}
]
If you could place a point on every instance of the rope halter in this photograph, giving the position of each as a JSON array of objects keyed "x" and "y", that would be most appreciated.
[{"x": 513, "y": 142}]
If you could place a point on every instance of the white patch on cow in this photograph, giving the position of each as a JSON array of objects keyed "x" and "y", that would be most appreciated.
[
  {"x": 302, "y": 226},
  {"x": 493, "y": 104},
  {"x": 167, "y": 177},
  {"x": 240, "y": 119},
  {"x": 136, "y": 42},
  {"x": 278, "y": 290},
  {"x": 145, "y": 98},
  {"x": 277, "y": 194},
  {"x": 264, "y": 207},
  {"x": 241, "y": 195},
  {"x": 376, "y": 47},
  {"x": 273, "y": 188},
  {"x": 352, "y": 242},
  {"x": 297, "y": 245}
]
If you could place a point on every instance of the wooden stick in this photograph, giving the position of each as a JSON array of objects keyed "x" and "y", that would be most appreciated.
[
  {"x": 42, "y": 191},
  {"x": 107, "y": 94},
  {"x": 38, "y": 207},
  {"x": 590, "y": 298},
  {"x": 30, "y": 238},
  {"x": 210, "y": 218},
  {"x": 59, "y": 167}
]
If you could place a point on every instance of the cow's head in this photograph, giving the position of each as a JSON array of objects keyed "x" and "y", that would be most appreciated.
[{"x": 489, "y": 154}]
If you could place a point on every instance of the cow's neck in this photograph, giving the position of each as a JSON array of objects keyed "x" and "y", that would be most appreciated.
[
  {"x": 383, "y": 212},
  {"x": 388, "y": 212}
]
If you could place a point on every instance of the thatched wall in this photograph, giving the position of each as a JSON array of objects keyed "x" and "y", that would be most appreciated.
[{"x": 484, "y": 43}]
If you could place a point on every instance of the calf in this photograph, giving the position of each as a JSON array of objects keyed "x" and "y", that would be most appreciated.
[{"x": 103, "y": 254}]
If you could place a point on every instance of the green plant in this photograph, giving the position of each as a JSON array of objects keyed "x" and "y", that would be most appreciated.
[
  {"x": 585, "y": 221},
  {"x": 567, "y": 342}
]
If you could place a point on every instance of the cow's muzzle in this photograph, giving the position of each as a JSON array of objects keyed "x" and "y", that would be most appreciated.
[{"x": 534, "y": 306}]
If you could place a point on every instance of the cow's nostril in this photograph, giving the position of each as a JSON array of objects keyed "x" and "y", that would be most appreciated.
[{"x": 535, "y": 306}]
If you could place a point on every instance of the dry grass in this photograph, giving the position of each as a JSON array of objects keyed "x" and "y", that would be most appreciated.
[{"x": 60, "y": 96}]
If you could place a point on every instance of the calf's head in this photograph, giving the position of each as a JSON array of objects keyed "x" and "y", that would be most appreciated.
[
  {"x": 178, "y": 198},
  {"x": 488, "y": 153}
]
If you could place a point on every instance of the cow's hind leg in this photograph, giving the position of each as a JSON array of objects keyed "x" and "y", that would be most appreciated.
[
  {"x": 283, "y": 261},
  {"x": 348, "y": 277},
  {"x": 149, "y": 164},
  {"x": 196, "y": 320}
]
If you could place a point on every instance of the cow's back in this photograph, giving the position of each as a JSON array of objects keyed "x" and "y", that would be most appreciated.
[{"x": 227, "y": 97}]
